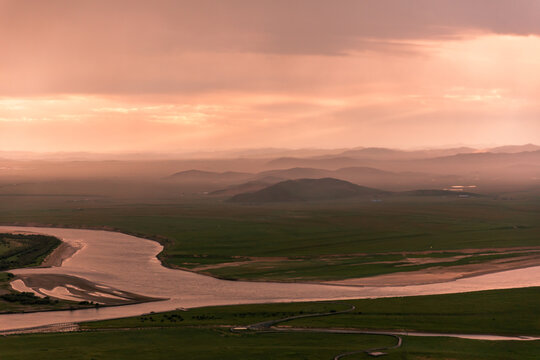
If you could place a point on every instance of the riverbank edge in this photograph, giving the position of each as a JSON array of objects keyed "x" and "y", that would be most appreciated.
[
  {"x": 55, "y": 258},
  {"x": 164, "y": 241}
]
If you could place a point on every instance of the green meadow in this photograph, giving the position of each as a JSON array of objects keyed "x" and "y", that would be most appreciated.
[
  {"x": 326, "y": 240},
  {"x": 299, "y": 241},
  {"x": 211, "y": 344},
  {"x": 204, "y": 333},
  {"x": 17, "y": 250},
  {"x": 501, "y": 312},
  {"x": 26, "y": 250}
]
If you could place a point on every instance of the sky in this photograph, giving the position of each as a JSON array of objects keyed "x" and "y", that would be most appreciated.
[{"x": 172, "y": 76}]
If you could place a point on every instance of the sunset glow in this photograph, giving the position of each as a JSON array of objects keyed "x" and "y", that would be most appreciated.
[{"x": 241, "y": 75}]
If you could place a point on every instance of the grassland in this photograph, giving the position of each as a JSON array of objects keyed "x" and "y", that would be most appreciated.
[
  {"x": 18, "y": 250},
  {"x": 180, "y": 343},
  {"x": 502, "y": 312},
  {"x": 210, "y": 344},
  {"x": 23, "y": 250},
  {"x": 355, "y": 266},
  {"x": 204, "y": 333},
  {"x": 330, "y": 240}
]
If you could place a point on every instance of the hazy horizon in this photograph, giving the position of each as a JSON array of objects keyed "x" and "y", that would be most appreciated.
[{"x": 270, "y": 152}]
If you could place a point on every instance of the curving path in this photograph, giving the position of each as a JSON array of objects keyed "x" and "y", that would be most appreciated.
[{"x": 270, "y": 326}]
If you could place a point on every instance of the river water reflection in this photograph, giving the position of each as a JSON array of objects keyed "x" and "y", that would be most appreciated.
[{"x": 130, "y": 264}]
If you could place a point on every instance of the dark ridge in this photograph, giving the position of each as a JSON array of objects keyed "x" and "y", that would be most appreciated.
[
  {"x": 249, "y": 186},
  {"x": 307, "y": 190},
  {"x": 437, "y": 192},
  {"x": 201, "y": 175}
]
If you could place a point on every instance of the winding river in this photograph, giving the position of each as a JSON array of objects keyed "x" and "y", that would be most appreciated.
[{"x": 129, "y": 263}]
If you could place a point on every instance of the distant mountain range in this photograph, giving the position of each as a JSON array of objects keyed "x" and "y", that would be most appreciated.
[
  {"x": 514, "y": 148},
  {"x": 403, "y": 160},
  {"x": 389, "y": 169},
  {"x": 392, "y": 154},
  {"x": 263, "y": 153},
  {"x": 497, "y": 170},
  {"x": 232, "y": 183}
]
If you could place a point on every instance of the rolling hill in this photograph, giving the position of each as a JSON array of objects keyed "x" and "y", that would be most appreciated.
[
  {"x": 308, "y": 190},
  {"x": 209, "y": 176},
  {"x": 249, "y": 186}
]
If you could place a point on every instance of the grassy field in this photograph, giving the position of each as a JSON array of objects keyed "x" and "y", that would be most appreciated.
[
  {"x": 204, "y": 333},
  {"x": 352, "y": 266},
  {"x": 181, "y": 343},
  {"x": 503, "y": 312},
  {"x": 302, "y": 241},
  {"x": 314, "y": 241},
  {"x": 17, "y": 251},
  {"x": 211, "y": 344}
]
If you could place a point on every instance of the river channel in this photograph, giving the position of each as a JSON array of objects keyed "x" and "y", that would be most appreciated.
[{"x": 129, "y": 263}]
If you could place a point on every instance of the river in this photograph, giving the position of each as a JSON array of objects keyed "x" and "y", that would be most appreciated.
[{"x": 129, "y": 263}]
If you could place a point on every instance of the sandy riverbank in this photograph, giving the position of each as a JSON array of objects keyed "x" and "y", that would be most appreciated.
[
  {"x": 72, "y": 288},
  {"x": 76, "y": 289},
  {"x": 440, "y": 274},
  {"x": 79, "y": 289},
  {"x": 63, "y": 252}
]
